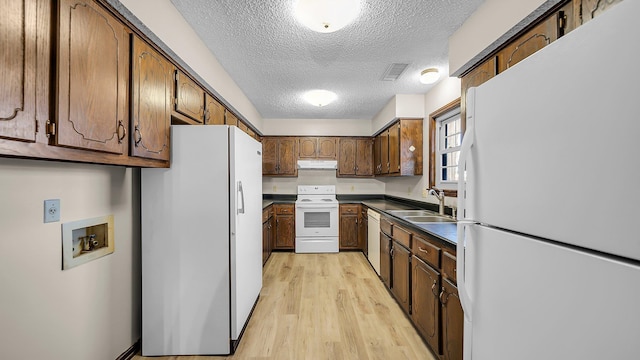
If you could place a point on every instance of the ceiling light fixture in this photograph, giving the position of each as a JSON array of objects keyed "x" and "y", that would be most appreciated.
[
  {"x": 320, "y": 97},
  {"x": 326, "y": 16},
  {"x": 429, "y": 76}
]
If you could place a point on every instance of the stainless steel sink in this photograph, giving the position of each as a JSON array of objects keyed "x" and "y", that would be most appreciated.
[
  {"x": 427, "y": 219},
  {"x": 404, "y": 213}
]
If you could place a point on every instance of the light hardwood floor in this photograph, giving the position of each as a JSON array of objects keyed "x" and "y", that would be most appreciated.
[{"x": 324, "y": 306}]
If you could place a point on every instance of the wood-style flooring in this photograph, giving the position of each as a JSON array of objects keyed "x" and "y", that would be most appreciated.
[{"x": 324, "y": 306}]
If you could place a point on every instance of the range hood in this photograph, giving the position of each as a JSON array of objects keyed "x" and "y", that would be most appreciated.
[{"x": 317, "y": 164}]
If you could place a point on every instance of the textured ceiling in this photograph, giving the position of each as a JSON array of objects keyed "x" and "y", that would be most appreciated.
[{"x": 275, "y": 60}]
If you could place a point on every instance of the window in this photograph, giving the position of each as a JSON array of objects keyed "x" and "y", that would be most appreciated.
[{"x": 446, "y": 128}]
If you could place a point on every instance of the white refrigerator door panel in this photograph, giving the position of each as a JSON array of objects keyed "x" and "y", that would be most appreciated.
[
  {"x": 555, "y": 150},
  {"x": 533, "y": 300},
  {"x": 246, "y": 226},
  {"x": 185, "y": 244}
]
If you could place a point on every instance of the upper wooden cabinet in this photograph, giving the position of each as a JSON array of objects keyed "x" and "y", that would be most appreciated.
[
  {"x": 93, "y": 74},
  {"x": 528, "y": 43},
  {"x": 151, "y": 93},
  {"x": 18, "y": 70},
  {"x": 189, "y": 99},
  {"x": 400, "y": 148},
  {"x": 355, "y": 157},
  {"x": 317, "y": 147},
  {"x": 588, "y": 9},
  {"x": 214, "y": 111},
  {"x": 231, "y": 119},
  {"x": 279, "y": 156}
]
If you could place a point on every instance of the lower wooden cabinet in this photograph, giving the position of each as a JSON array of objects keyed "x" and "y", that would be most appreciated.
[
  {"x": 452, "y": 321},
  {"x": 425, "y": 305},
  {"x": 400, "y": 270},
  {"x": 349, "y": 227},
  {"x": 267, "y": 233},
  {"x": 285, "y": 238},
  {"x": 385, "y": 259}
]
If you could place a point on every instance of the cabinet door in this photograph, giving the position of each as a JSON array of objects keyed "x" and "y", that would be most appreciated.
[
  {"x": 347, "y": 157},
  {"x": 528, "y": 43},
  {"x": 189, "y": 98},
  {"x": 265, "y": 241},
  {"x": 410, "y": 147},
  {"x": 93, "y": 74},
  {"x": 400, "y": 270},
  {"x": 477, "y": 76},
  {"x": 285, "y": 232},
  {"x": 151, "y": 90},
  {"x": 214, "y": 111},
  {"x": 327, "y": 148},
  {"x": 593, "y": 8},
  {"x": 385, "y": 259},
  {"x": 349, "y": 231},
  {"x": 269, "y": 156},
  {"x": 287, "y": 157},
  {"x": 377, "y": 160},
  {"x": 452, "y": 322},
  {"x": 394, "y": 149},
  {"x": 384, "y": 152},
  {"x": 307, "y": 147},
  {"x": 425, "y": 306},
  {"x": 231, "y": 119},
  {"x": 364, "y": 157},
  {"x": 17, "y": 72},
  {"x": 242, "y": 126}
]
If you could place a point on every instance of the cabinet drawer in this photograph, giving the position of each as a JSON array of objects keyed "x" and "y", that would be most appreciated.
[
  {"x": 265, "y": 215},
  {"x": 426, "y": 251},
  {"x": 284, "y": 209},
  {"x": 349, "y": 209},
  {"x": 385, "y": 226},
  {"x": 449, "y": 266},
  {"x": 402, "y": 236}
]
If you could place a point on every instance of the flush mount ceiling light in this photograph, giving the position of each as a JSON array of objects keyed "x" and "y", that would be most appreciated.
[
  {"x": 429, "y": 76},
  {"x": 326, "y": 15},
  {"x": 319, "y": 97}
]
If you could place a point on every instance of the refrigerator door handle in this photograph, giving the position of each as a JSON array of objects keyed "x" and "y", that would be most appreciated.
[
  {"x": 465, "y": 150},
  {"x": 465, "y": 299},
  {"x": 241, "y": 195}
]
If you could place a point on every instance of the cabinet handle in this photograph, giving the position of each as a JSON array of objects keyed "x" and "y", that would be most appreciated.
[
  {"x": 442, "y": 298},
  {"x": 422, "y": 250},
  {"x": 124, "y": 131},
  {"x": 138, "y": 137},
  {"x": 391, "y": 252},
  {"x": 434, "y": 290}
]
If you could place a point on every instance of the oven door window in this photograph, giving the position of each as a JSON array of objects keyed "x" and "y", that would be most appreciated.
[{"x": 314, "y": 220}]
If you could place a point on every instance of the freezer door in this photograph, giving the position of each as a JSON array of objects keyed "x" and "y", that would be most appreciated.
[
  {"x": 553, "y": 148},
  {"x": 245, "y": 173},
  {"x": 534, "y": 300}
]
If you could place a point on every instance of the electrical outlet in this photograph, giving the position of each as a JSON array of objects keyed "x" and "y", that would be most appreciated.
[
  {"x": 409, "y": 190},
  {"x": 353, "y": 188},
  {"x": 51, "y": 210},
  {"x": 275, "y": 188},
  {"x": 424, "y": 193}
]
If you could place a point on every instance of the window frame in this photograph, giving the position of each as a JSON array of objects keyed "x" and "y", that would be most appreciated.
[{"x": 433, "y": 133}]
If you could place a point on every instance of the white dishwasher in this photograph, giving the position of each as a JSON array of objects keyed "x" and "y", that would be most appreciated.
[{"x": 373, "y": 233}]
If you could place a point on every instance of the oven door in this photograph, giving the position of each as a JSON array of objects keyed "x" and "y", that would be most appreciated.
[{"x": 316, "y": 221}]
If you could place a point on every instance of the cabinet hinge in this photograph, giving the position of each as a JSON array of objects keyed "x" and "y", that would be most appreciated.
[
  {"x": 562, "y": 20},
  {"x": 580, "y": 13},
  {"x": 37, "y": 126},
  {"x": 410, "y": 308},
  {"x": 50, "y": 128}
]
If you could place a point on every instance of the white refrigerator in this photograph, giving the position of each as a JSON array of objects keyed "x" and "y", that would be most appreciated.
[
  {"x": 548, "y": 240},
  {"x": 201, "y": 242}
]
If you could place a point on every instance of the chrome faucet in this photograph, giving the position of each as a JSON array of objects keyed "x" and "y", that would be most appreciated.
[{"x": 440, "y": 195}]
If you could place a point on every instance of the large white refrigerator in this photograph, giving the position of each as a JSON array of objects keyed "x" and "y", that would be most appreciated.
[
  {"x": 201, "y": 242},
  {"x": 548, "y": 235}
]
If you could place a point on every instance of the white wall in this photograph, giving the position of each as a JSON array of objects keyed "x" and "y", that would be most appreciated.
[
  {"x": 400, "y": 106},
  {"x": 161, "y": 17},
  {"x": 289, "y": 186},
  {"x": 411, "y": 187},
  {"x": 88, "y": 312},
  {"x": 316, "y": 127},
  {"x": 490, "y": 21}
]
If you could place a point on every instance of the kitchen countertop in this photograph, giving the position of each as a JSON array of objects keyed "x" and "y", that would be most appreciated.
[{"x": 447, "y": 232}]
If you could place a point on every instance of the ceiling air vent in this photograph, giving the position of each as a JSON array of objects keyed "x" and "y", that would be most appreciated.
[{"x": 393, "y": 72}]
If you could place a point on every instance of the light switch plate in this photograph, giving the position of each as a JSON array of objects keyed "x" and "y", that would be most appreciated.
[{"x": 51, "y": 210}]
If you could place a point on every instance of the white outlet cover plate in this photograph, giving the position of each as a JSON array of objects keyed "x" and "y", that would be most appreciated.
[{"x": 51, "y": 210}]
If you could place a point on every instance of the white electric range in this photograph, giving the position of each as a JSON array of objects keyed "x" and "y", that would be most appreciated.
[{"x": 316, "y": 219}]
